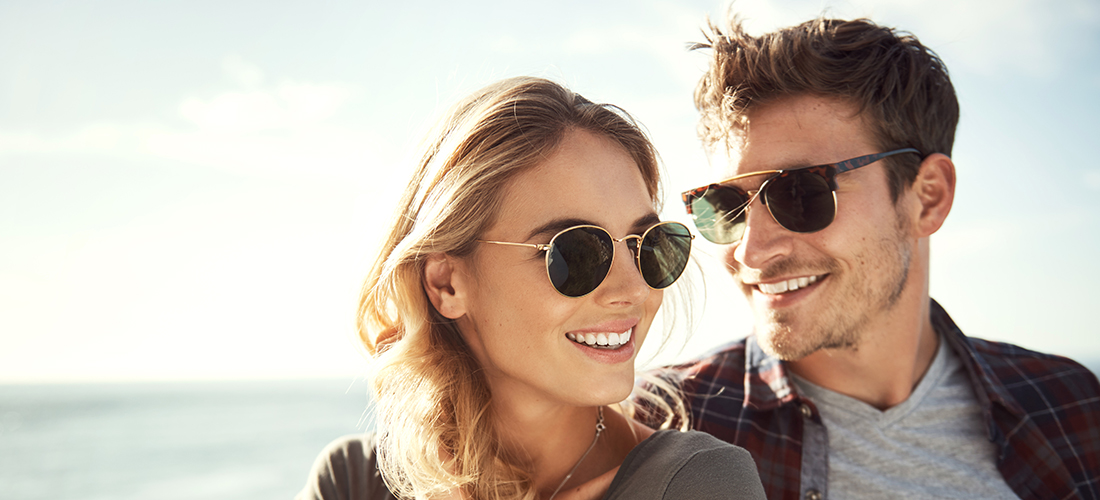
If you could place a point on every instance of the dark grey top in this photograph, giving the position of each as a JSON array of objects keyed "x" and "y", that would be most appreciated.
[
  {"x": 346, "y": 470},
  {"x": 668, "y": 465},
  {"x": 680, "y": 465}
]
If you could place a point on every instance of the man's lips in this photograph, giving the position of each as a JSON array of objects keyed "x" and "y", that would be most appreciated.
[{"x": 788, "y": 285}]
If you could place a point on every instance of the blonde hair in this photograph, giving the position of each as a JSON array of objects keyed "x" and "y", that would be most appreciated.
[{"x": 431, "y": 398}]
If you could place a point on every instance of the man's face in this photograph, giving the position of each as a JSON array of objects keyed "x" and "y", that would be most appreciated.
[{"x": 833, "y": 288}]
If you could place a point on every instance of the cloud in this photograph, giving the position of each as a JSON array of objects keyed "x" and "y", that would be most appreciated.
[
  {"x": 247, "y": 75},
  {"x": 665, "y": 42},
  {"x": 506, "y": 44},
  {"x": 94, "y": 138},
  {"x": 1033, "y": 37},
  {"x": 1092, "y": 179},
  {"x": 289, "y": 106},
  {"x": 281, "y": 130}
]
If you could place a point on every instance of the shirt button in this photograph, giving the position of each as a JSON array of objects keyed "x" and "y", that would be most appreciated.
[
  {"x": 807, "y": 412},
  {"x": 813, "y": 494}
]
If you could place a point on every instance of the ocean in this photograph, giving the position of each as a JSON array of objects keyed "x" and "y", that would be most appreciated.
[
  {"x": 173, "y": 441},
  {"x": 167, "y": 441}
]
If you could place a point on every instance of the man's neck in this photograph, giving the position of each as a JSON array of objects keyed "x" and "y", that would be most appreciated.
[{"x": 887, "y": 365}]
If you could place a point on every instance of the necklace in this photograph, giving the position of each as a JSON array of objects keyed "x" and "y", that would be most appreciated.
[{"x": 599, "y": 429}]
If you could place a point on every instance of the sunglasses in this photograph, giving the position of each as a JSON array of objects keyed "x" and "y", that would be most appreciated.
[
  {"x": 579, "y": 258},
  {"x": 802, "y": 200}
]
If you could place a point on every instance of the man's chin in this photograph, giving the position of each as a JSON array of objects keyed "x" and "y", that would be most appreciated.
[{"x": 782, "y": 342}]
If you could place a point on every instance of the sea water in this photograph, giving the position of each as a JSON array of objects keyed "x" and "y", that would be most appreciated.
[
  {"x": 165, "y": 441},
  {"x": 169, "y": 441}
]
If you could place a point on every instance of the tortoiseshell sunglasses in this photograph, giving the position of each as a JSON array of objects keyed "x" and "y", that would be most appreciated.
[{"x": 802, "y": 199}]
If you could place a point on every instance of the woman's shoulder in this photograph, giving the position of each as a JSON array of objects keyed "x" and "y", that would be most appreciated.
[
  {"x": 673, "y": 464},
  {"x": 347, "y": 469}
]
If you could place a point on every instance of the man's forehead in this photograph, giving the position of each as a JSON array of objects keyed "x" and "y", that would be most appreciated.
[
  {"x": 791, "y": 132},
  {"x": 739, "y": 156},
  {"x": 723, "y": 158}
]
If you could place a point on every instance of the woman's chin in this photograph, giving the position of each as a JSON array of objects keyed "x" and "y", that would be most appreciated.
[{"x": 610, "y": 392}]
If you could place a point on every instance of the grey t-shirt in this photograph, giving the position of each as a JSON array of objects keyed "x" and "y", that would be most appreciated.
[
  {"x": 933, "y": 445},
  {"x": 668, "y": 465}
]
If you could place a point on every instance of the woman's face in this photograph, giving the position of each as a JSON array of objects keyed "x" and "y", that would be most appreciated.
[{"x": 519, "y": 327}]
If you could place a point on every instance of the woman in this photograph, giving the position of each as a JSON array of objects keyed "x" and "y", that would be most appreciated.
[{"x": 522, "y": 272}]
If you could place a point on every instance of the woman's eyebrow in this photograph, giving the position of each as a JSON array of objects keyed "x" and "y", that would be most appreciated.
[
  {"x": 646, "y": 221},
  {"x": 557, "y": 225}
]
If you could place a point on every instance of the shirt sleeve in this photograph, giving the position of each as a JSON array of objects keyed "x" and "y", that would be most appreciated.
[
  {"x": 673, "y": 465},
  {"x": 720, "y": 473},
  {"x": 346, "y": 469}
]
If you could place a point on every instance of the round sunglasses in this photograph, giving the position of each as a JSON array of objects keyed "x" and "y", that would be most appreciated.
[
  {"x": 802, "y": 200},
  {"x": 579, "y": 258}
]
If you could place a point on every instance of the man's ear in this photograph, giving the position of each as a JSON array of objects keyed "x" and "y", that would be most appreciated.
[
  {"x": 445, "y": 286},
  {"x": 934, "y": 188}
]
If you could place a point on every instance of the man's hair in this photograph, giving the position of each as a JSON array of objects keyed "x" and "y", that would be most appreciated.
[{"x": 899, "y": 86}]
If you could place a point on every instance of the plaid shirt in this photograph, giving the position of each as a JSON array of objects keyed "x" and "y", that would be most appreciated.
[{"x": 1042, "y": 413}]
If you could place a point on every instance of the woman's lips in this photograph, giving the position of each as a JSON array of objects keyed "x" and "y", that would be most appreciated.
[{"x": 601, "y": 340}]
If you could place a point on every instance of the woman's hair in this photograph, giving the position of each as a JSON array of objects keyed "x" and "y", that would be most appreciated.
[
  {"x": 432, "y": 400},
  {"x": 901, "y": 86}
]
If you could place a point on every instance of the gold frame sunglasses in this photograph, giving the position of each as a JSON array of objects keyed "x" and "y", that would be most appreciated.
[{"x": 579, "y": 258}]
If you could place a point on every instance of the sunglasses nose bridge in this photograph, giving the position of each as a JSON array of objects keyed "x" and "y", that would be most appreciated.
[
  {"x": 634, "y": 244},
  {"x": 631, "y": 287}
]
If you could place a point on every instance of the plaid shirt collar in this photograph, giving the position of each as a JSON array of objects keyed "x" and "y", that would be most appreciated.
[
  {"x": 767, "y": 386},
  {"x": 988, "y": 388},
  {"x": 1045, "y": 452}
]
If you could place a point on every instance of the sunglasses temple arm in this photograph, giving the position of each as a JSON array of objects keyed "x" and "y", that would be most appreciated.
[{"x": 543, "y": 247}]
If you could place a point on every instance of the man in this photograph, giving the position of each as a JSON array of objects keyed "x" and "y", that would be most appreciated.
[{"x": 855, "y": 384}]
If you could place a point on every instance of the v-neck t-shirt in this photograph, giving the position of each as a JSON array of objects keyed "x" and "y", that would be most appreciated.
[{"x": 932, "y": 445}]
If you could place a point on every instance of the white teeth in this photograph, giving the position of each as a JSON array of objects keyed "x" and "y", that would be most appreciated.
[
  {"x": 773, "y": 288},
  {"x": 787, "y": 286},
  {"x": 611, "y": 339}
]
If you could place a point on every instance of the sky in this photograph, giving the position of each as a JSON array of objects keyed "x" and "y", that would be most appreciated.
[{"x": 194, "y": 190}]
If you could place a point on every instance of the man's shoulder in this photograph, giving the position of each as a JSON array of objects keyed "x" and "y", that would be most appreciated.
[
  {"x": 1054, "y": 391},
  {"x": 1038, "y": 381},
  {"x": 1014, "y": 365}
]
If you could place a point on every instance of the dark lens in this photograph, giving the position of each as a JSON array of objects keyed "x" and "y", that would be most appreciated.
[
  {"x": 719, "y": 214},
  {"x": 801, "y": 200},
  {"x": 664, "y": 254},
  {"x": 578, "y": 260}
]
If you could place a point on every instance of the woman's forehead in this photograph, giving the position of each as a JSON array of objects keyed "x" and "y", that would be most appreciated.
[{"x": 587, "y": 177}]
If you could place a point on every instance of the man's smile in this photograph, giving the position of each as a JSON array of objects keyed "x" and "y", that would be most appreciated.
[{"x": 788, "y": 285}]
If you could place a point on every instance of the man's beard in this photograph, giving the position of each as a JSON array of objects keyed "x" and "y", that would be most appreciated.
[{"x": 843, "y": 322}]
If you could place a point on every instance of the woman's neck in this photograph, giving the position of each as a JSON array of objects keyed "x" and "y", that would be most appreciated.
[{"x": 550, "y": 440}]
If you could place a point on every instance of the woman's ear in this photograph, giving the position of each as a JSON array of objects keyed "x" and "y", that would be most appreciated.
[
  {"x": 935, "y": 189},
  {"x": 444, "y": 286}
]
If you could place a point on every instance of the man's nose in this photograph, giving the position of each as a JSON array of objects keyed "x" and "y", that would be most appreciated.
[{"x": 763, "y": 239}]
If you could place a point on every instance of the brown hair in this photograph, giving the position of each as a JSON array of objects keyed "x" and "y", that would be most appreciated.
[
  {"x": 432, "y": 401},
  {"x": 900, "y": 86}
]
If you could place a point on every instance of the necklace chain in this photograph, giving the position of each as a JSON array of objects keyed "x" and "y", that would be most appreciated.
[{"x": 599, "y": 430}]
